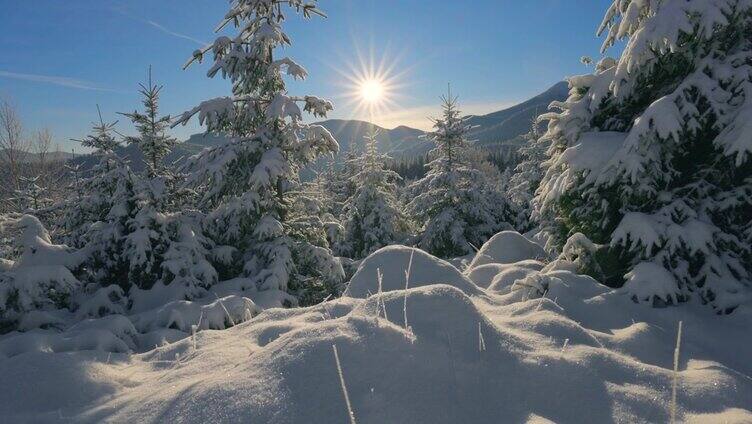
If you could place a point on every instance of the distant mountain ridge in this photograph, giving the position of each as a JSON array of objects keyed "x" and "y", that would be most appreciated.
[
  {"x": 510, "y": 123},
  {"x": 500, "y": 128},
  {"x": 30, "y": 157}
]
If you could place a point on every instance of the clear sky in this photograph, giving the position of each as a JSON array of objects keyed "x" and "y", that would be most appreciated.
[{"x": 59, "y": 59}]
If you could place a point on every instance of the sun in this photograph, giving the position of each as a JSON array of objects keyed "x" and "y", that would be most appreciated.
[
  {"x": 371, "y": 90},
  {"x": 371, "y": 85}
]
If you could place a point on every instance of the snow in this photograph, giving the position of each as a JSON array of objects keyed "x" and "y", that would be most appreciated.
[
  {"x": 183, "y": 315},
  {"x": 392, "y": 262},
  {"x": 575, "y": 352},
  {"x": 649, "y": 280},
  {"x": 503, "y": 281},
  {"x": 593, "y": 150},
  {"x": 507, "y": 247},
  {"x": 484, "y": 275},
  {"x": 134, "y": 323}
]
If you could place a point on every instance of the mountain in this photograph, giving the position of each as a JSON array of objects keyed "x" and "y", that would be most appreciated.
[
  {"x": 399, "y": 141},
  {"x": 508, "y": 124},
  {"x": 503, "y": 127},
  {"x": 31, "y": 157},
  {"x": 497, "y": 129}
]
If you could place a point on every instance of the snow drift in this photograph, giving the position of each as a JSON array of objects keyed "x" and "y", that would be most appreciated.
[
  {"x": 392, "y": 262},
  {"x": 554, "y": 346},
  {"x": 507, "y": 247}
]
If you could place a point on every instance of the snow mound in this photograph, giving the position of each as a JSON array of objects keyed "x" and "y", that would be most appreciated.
[
  {"x": 113, "y": 334},
  {"x": 183, "y": 315},
  {"x": 507, "y": 247},
  {"x": 58, "y": 331},
  {"x": 503, "y": 281},
  {"x": 429, "y": 354},
  {"x": 483, "y": 275},
  {"x": 393, "y": 261}
]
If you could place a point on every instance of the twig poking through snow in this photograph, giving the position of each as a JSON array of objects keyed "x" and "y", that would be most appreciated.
[
  {"x": 232, "y": 321},
  {"x": 195, "y": 328},
  {"x": 323, "y": 305},
  {"x": 540, "y": 302},
  {"x": 564, "y": 346},
  {"x": 676, "y": 374},
  {"x": 380, "y": 278},
  {"x": 481, "y": 341},
  {"x": 407, "y": 283},
  {"x": 350, "y": 412}
]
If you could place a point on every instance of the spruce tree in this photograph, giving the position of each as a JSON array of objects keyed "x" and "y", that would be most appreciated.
[
  {"x": 526, "y": 178},
  {"x": 99, "y": 220},
  {"x": 373, "y": 216},
  {"x": 251, "y": 183},
  {"x": 152, "y": 140},
  {"x": 454, "y": 203},
  {"x": 147, "y": 237},
  {"x": 31, "y": 197},
  {"x": 37, "y": 274},
  {"x": 650, "y": 155},
  {"x": 97, "y": 186}
]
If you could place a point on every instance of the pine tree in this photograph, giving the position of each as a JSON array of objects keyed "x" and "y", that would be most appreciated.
[
  {"x": 453, "y": 202},
  {"x": 650, "y": 154},
  {"x": 97, "y": 188},
  {"x": 323, "y": 200},
  {"x": 340, "y": 180},
  {"x": 32, "y": 197},
  {"x": 40, "y": 274},
  {"x": 251, "y": 183},
  {"x": 147, "y": 237},
  {"x": 373, "y": 217},
  {"x": 526, "y": 178},
  {"x": 152, "y": 139},
  {"x": 99, "y": 220}
]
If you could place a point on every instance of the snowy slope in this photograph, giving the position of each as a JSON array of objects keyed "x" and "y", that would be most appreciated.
[
  {"x": 507, "y": 124},
  {"x": 581, "y": 353}
]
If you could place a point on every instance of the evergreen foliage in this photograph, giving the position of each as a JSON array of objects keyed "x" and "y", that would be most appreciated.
[
  {"x": 453, "y": 203},
  {"x": 251, "y": 184},
  {"x": 373, "y": 216},
  {"x": 650, "y": 155}
]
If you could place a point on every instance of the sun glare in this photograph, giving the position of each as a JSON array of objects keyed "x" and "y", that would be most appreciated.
[
  {"x": 371, "y": 85},
  {"x": 371, "y": 90}
]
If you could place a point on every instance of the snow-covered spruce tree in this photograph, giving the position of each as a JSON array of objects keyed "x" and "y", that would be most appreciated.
[
  {"x": 147, "y": 238},
  {"x": 453, "y": 203},
  {"x": 339, "y": 183},
  {"x": 373, "y": 216},
  {"x": 38, "y": 275},
  {"x": 152, "y": 139},
  {"x": 31, "y": 196},
  {"x": 322, "y": 202},
  {"x": 94, "y": 188},
  {"x": 99, "y": 220},
  {"x": 251, "y": 183},
  {"x": 527, "y": 177},
  {"x": 650, "y": 155}
]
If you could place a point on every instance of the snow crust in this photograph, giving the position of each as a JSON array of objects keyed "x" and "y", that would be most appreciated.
[
  {"x": 507, "y": 247},
  {"x": 553, "y": 346},
  {"x": 392, "y": 262}
]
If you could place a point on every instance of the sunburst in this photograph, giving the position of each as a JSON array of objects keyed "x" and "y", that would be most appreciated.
[{"x": 371, "y": 86}]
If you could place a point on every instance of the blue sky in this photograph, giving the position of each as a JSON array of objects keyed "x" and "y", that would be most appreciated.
[{"x": 62, "y": 58}]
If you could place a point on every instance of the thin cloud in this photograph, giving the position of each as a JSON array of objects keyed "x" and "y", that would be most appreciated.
[
  {"x": 173, "y": 33},
  {"x": 55, "y": 80},
  {"x": 126, "y": 11}
]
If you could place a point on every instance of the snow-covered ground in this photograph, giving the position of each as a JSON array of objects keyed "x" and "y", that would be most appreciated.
[{"x": 498, "y": 342}]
